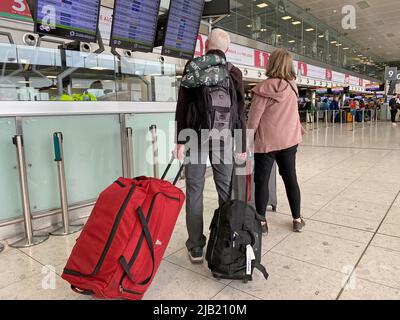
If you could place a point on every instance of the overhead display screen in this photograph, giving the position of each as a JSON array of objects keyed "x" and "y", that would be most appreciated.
[
  {"x": 214, "y": 8},
  {"x": 183, "y": 28},
  {"x": 69, "y": 19},
  {"x": 135, "y": 24}
]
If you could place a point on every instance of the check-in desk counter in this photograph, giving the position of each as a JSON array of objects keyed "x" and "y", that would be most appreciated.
[{"x": 93, "y": 149}]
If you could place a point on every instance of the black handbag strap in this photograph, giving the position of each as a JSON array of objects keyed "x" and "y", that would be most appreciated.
[{"x": 294, "y": 90}]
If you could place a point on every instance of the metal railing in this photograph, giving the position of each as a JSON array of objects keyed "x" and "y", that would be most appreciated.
[
  {"x": 67, "y": 228},
  {"x": 29, "y": 238},
  {"x": 129, "y": 151},
  {"x": 154, "y": 143},
  {"x": 333, "y": 117}
]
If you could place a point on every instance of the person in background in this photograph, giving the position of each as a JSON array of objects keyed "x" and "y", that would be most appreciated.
[
  {"x": 357, "y": 104},
  {"x": 362, "y": 105},
  {"x": 334, "y": 104},
  {"x": 394, "y": 105},
  {"x": 309, "y": 108},
  {"x": 319, "y": 105},
  {"x": 325, "y": 104},
  {"x": 352, "y": 104},
  {"x": 275, "y": 120}
]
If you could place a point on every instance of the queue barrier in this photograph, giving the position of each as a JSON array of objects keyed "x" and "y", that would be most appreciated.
[
  {"x": 338, "y": 116},
  {"x": 66, "y": 228},
  {"x": 154, "y": 143},
  {"x": 29, "y": 238},
  {"x": 129, "y": 150}
]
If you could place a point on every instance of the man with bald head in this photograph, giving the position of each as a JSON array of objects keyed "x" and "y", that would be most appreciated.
[{"x": 204, "y": 75}]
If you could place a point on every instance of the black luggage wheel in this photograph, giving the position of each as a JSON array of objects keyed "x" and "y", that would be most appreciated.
[
  {"x": 274, "y": 208},
  {"x": 216, "y": 276}
]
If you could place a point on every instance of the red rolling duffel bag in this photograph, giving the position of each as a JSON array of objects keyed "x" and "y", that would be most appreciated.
[{"x": 123, "y": 242}]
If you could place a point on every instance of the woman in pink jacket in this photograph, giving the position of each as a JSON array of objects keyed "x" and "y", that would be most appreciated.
[{"x": 275, "y": 120}]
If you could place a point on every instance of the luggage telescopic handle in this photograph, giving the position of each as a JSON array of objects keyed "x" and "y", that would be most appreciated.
[{"x": 169, "y": 167}]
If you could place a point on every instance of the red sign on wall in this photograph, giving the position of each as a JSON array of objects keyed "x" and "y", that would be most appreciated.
[
  {"x": 15, "y": 9},
  {"x": 261, "y": 59},
  {"x": 303, "y": 69},
  {"x": 347, "y": 78},
  {"x": 329, "y": 75}
]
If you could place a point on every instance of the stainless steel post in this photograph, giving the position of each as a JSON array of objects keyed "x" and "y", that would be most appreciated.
[
  {"x": 326, "y": 118},
  {"x": 354, "y": 120},
  {"x": 154, "y": 143},
  {"x": 372, "y": 117},
  {"x": 30, "y": 239},
  {"x": 333, "y": 117},
  {"x": 129, "y": 151},
  {"x": 317, "y": 121},
  {"x": 341, "y": 116},
  {"x": 122, "y": 122},
  {"x": 363, "y": 117},
  {"x": 312, "y": 119},
  {"x": 66, "y": 228}
]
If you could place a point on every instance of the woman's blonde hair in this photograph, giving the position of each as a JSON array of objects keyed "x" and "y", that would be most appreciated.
[{"x": 280, "y": 65}]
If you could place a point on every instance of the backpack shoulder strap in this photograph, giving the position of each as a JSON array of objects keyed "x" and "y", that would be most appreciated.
[{"x": 229, "y": 66}]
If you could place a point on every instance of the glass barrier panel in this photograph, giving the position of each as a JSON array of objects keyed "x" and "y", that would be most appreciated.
[
  {"x": 41, "y": 74},
  {"x": 143, "y": 160},
  {"x": 92, "y": 155},
  {"x": 10, "y": 196}
]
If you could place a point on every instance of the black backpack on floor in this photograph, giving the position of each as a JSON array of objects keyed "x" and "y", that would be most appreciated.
[{"x": 234, "y": 247}]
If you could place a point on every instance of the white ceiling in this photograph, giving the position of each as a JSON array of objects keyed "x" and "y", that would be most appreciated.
[{"x": 377, "y": 21}]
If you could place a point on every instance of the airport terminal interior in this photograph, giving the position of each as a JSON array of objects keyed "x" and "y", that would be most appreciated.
[{"x": 88, "y": 94}]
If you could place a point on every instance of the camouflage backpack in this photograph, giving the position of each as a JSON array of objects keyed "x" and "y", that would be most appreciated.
[{"x": 216, "y": 108}]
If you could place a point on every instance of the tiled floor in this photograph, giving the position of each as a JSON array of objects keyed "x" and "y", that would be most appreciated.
[{"x": 350, "y": 249}]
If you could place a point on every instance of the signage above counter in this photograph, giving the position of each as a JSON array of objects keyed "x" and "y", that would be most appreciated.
[
  {"x": 308, "y": 74},
  {"x": 15, "y": 9},
  {"x": 241, "y": 55}
]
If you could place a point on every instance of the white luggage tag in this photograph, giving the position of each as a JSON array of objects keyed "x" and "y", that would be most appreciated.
[{"x": 250, "y": 256}]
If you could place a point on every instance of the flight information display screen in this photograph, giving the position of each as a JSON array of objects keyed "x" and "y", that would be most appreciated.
[
  {"x": 69, "y": 19},
  {"x": 183, "y": 28},
  {"x": 135, "y": 24},
  {"x": 215, "y": 8}
]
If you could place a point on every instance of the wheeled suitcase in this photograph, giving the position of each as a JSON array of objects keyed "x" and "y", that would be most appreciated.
[
  {"x": 123, "y": 242},
  {"x": 273, "y": 197}
]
